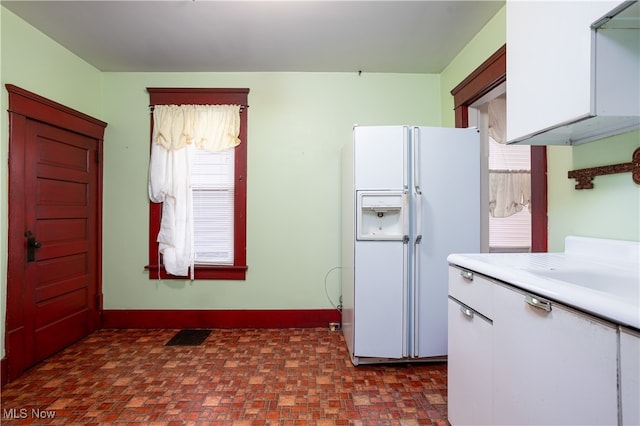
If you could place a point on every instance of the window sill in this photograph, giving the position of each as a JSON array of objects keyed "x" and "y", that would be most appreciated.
[{"x": 202, "y": 272}]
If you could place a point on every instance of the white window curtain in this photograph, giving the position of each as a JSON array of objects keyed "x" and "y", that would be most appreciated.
[
  {"x": 509, "y": 191},
  {"x": 498, "y": 119},
  {"x": 177, "y": 130},
  {"x": 509, "y": 166}
]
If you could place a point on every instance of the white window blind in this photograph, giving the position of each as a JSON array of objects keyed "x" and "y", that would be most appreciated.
[
  {"x": 509, "y": 157},
  {"x": 212, "y": 183},
  {"x": 511, "y": 233}
]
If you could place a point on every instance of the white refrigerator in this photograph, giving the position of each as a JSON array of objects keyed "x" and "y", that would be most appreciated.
[{"x": 410, "y": 197}]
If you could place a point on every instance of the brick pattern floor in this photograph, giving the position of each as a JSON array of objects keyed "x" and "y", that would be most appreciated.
[{"x": 236, "y": 377}]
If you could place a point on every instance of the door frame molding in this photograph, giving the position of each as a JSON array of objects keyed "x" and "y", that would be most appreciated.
[
  {"x": 489, "y": 75},
  {"x": 24, "y": 106}
]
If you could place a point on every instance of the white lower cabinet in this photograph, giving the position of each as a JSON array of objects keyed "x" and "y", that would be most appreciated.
[
  {"x": 630, "y": 376},
  {"x": 469, "y": 372},
  {"x": 529, "y": 361},
  {"x": 552, "y": 365}
]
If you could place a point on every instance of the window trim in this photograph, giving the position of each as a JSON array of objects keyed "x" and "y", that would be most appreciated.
[{"x": 207, "y": 96}]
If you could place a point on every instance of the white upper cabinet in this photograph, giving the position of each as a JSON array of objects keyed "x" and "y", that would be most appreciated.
[{"x": 572, "y": 70}]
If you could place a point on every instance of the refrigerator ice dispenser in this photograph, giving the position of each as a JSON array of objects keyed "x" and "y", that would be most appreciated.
[{"x": 381, "y": 215}]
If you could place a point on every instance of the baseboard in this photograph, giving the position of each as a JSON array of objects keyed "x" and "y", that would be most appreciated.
[{"x": 260, "y": 318}]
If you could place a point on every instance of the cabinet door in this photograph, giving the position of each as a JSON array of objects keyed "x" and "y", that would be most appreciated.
[
  {"x": 556, "y": 367},
  {"x": 549, "y": 62},
  {"x": 469, "y": 366},
  {"x": 630, "y": 376}
]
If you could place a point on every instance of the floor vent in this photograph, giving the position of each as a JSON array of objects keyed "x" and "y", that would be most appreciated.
[{"x": 189, "y": 338}]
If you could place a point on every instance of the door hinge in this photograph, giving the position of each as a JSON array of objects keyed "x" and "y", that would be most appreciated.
[
  {"x": 97, "y": 155},
  {"x": 99, "y": 301}
]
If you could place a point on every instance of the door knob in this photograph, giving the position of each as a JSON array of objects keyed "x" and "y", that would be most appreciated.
[{"x": 32, "y": 245}]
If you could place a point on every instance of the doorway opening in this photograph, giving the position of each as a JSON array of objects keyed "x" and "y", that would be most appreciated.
[
  {"x": 506, "y": 178},
  {"x": 471, "y": 96}
]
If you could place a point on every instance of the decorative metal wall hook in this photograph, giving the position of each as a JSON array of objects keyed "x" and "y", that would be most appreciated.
[{"x": 584, "y": 177}]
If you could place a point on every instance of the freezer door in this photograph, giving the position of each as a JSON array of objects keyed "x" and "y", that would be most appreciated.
[
  {"x": 380, "y": 157},
  {"x": 380, "y": 299},
  {"x": 445, "y": 210}
]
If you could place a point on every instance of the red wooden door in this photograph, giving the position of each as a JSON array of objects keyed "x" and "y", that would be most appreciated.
[
  {"x": 60, "y": 200},
  {"x": 53, "y": 276}
]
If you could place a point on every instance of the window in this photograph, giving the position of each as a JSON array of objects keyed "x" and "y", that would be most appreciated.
[
  {"x": 219, "y": 185},
  {"x": 510, "y": 232},
  {"x": 212, "y": 178},
  {"x": 509, "y": 172}
]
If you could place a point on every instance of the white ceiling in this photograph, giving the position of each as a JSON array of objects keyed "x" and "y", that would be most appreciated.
[{"x": 247, "y": 36}]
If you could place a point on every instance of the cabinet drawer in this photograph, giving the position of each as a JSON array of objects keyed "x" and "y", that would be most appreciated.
[{"x": 471, "y": 289}]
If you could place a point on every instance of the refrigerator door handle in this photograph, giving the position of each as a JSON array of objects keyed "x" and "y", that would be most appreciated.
[
  {"x": 415, "y": 297},
  {"x": 405, "y": 290},
  {"x": 417, "y": 191},
  {"x": 418, "y": 218},
  {"x": 406, "y": 147},
  {"x": 417, "y": 231},
  {"x": 415, "y": 154},
  {"x": 405, "y": 217}
]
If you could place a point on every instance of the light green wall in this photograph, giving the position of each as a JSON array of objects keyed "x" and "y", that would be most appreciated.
[
  {"x": 484, "y": 44},
  {"x": 298, "y": 123},
  {"x": 34, "y": 62},
  {"x": 610, "y": 210}
]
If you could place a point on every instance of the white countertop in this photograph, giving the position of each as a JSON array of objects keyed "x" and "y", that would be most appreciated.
[{"x": 598, "y": 276}]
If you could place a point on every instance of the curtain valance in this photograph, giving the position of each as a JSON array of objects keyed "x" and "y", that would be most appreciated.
[{"x": 211, "y": 127}]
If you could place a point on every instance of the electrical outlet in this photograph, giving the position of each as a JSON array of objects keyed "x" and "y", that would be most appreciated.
[{"x": 334, "y": 326}]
